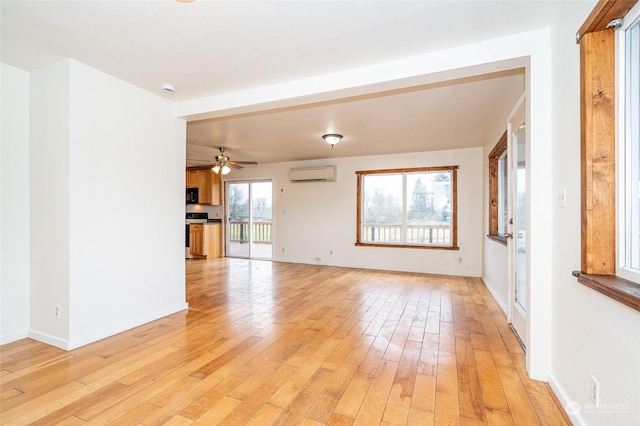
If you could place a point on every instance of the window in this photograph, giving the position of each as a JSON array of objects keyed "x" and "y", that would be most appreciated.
[
  {"x": 606, "y": 226},
  {"x": 629, "y": 148},
  {"x": 498, "y": 194},
  {"x": 407, "y": 208}
]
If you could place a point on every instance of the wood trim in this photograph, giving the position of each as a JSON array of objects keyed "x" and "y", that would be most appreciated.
[
  {"x": 359, "y": 209},
  {"x": 359, "y": 244},
  {"x": 597, "y": 83},
  {"x": 494, "y": 155},
  {"x": 604, "y": 12},
  {"x": 410, "y": 170},
  {"x": 624, "y": 291},
  {"x": 454, "y": 206},
  {"x": 207, "y": 167},
  {"x": 454, "y": 209}
]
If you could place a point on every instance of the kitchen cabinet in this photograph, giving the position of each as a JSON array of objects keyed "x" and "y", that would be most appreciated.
[
  {"x": 208, "y": 184},
  {"x": 205, "y": 240}
]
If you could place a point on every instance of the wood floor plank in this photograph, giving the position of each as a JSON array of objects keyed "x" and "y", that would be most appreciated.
[
  {"x": 375, "y": 401},
  {"x": 447, "y": 409},
  {"x": 402, "y": 389},
  {"x": 276, "y": 343},
  {"x": 520, "y": 406},
  {"x": 354, "y": 394}
]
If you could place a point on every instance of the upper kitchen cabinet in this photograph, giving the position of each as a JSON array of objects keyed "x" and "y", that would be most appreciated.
[{"x": 208, "y": 184}]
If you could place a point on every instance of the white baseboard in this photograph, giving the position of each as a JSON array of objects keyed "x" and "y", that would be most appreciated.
[
  {"x": 496, "y": 296},
  {"x": 49, "y": 339},
  {"x": 14, "y": 336},
  {"x": 107, "y": 332},
  {"x": 128, "y": 325},
  {"x": 470, "y": 274},
  {"x": 572, "y": 408}
]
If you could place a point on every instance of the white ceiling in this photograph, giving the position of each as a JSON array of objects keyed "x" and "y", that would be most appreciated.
[{"x": 207, "y": 48}]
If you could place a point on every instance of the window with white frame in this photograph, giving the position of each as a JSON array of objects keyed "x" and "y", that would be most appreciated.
[
  {"x": 407, "y": 207},
  {"x": 629, "y": 147}
]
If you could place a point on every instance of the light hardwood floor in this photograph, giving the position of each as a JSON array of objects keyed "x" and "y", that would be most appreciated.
[{"x": 274, "y": 343}]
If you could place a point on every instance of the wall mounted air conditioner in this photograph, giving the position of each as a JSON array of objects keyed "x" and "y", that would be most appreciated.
[{"x": 313, "y": 174}]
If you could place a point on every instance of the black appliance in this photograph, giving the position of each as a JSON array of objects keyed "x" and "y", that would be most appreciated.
[{"x": 192, "y": 196}]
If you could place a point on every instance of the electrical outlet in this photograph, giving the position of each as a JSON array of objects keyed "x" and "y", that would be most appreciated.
[
  {"x": 594, "y": 391},
  {"x": 56, "y": 311}
]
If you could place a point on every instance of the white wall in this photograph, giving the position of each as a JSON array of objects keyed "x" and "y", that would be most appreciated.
[
  {"x": 321, "y": 217},
  {"x": 592, "y": 334},
  {"x": 49, "y": 197},
  {"x": 107, "y": 186},
  {"x": 14, "y": 204}
]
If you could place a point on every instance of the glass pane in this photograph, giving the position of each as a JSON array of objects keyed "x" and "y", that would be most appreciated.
[
  {"x": 520, "y": 181},
  {"x": 238, "y": 223},
  {"x": 382, "y": 209},
  {"x": 503, "y": 199},
  {"x": 632, "y": 138},
  {"x": 262, "y": 220},
  {"x": 428, "y": 208}
]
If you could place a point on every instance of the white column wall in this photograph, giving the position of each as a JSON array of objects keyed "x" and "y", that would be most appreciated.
[
  {"x": 14, "y": 204},
  {"x": 127, "y": 156},
  {"x": 107, "y": 183},
  {"x": 49, "y": 197}
]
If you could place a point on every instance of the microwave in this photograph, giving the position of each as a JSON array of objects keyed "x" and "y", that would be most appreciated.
[{"x": 192, "y": 196}]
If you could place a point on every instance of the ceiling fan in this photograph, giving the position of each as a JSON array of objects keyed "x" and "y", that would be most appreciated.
[{"x": 223, "y": 164}]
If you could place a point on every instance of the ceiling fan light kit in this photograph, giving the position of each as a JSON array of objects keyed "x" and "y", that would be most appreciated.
[
  {"x": 224, "y": 164},
  {"x": 332, "y": 138}
]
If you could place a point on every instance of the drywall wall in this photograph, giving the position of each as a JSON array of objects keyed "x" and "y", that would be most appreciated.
[
  {"x": 592, "y": 334},
  {"x": 49, "y": 198},
  {"x": 318, "y": 219},
  {"x": 127, "y": 155},
  {"x": 108, "y": 184},
  {"x": 14, "y": 204}
]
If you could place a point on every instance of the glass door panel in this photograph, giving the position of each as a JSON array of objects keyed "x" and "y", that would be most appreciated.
[
  {"x": 517, "y": 235},
  {"x": 238, "y": 219},
  {"x": 261, "y": 220},
  {"x": 249, "y": 219},
  {"x": 520, "y": 234}
]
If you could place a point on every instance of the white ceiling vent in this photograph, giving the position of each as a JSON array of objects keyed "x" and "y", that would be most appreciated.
[{"x": 313, "y": 174}]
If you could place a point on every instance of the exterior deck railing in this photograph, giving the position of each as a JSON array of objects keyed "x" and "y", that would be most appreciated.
[
  {"x": 416, "y": 234},
  {"x": 239, "y": 231},
  {"x": 379, "y": 233}
]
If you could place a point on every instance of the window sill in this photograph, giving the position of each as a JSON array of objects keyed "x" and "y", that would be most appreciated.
[
  {"x": 498, "y": 239},
  {"x": 624, "y": 291},
  {"x": 407, "y": 246}
]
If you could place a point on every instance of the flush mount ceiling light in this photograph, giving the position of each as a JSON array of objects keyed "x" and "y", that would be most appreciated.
[
  {"x": 168, "y": 88},
  {"x": 332, "y": 138}
]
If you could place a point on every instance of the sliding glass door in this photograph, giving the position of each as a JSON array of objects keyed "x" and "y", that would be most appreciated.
[{"x": 249, "y": 219}]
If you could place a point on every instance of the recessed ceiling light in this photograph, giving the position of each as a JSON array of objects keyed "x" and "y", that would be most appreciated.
[{"x": 168, "y": 88}]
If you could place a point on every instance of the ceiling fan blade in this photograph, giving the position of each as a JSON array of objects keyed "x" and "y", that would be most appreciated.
[
  {"x": 234, "y": 165},
  {"x": 246, "y": 163}
]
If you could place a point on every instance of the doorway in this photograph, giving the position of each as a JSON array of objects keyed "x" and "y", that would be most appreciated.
[
  {"x": 517, "y": 241},
  {"x": 249, "y": 231}
]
